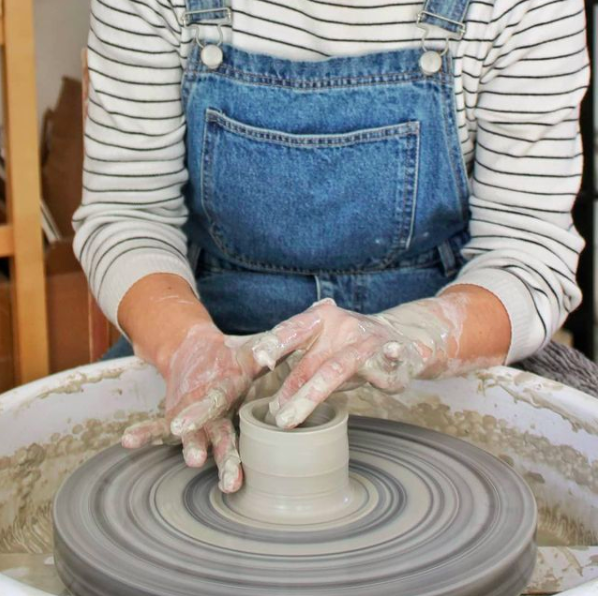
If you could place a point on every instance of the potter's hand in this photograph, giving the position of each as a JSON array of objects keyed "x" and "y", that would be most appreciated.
[
  {"x": 219, "y": 434},
  {"x": 207, "y": 375},
  {"x": 348, "y": 349}
]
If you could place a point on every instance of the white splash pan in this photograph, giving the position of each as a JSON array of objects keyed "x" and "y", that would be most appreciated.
[{"x": 547, "y": 431}]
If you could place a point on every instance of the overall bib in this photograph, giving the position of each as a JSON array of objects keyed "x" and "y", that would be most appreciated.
[{"x": 340, "y": 178}]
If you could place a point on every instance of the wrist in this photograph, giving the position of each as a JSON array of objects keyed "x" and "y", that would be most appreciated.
[
  {"x": 430, "y": 329},
  {"x": 174, "y": 332},
  {"x": 157, "y": 314}
]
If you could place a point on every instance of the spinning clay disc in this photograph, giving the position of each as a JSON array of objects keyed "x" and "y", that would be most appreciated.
[{"x": 433, "y": 516}]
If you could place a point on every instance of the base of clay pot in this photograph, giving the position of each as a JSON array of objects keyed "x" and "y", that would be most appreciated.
[{"x": 440, "y": 517}]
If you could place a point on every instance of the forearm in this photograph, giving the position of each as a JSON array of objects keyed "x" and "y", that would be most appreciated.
[
  {"x": 157, "y": 313},
  {"x": 466, "y": 327},
  {"x": 481, "y": 329}
]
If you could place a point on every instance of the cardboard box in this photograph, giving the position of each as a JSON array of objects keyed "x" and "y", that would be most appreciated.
[
  {"x": 62, "y": 155},
  {"x": 67, "y": 302},
  {"x": 66, "y": 289},
  {"x": 6, "y": 357}
]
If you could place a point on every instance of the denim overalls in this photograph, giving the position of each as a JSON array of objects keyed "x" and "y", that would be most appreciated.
[{"x": 339, "y": 178}]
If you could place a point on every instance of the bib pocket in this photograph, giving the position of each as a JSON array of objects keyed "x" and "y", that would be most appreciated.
[{"x": 309, "y": 203}]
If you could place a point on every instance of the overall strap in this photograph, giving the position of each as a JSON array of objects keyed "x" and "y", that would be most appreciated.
[
  {"x": 205, "y": 11},
  {"x": 446, "y": 14}
]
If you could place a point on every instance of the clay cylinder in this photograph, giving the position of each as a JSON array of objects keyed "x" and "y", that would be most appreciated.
[{"x": 294, "y": 477}]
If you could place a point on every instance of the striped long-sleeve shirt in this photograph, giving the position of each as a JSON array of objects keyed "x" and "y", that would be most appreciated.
[{"x": 520, "y": 74}]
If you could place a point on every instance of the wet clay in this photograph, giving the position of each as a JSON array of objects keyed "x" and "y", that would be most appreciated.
[
  {"x": 299, "y": 477},
  {"x": 498, "y": 437},
  {"x": 29, "y": 478},
  {"x": 433, "y": 515}
]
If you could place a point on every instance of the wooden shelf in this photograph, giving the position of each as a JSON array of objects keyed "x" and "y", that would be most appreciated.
[
  {"x": 21, "y": 240},
  {"x": 1, "y": 22},
  {"x": 7, "y": 246}
]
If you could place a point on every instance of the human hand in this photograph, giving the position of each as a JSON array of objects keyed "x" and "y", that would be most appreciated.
[
  {"x": 387, "y": 350},
  {"x": 207, "y": 376}
]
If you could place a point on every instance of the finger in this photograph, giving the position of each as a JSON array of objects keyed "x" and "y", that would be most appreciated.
[
  {"x": 242, "y": 346},
  {"x": 327, "y": 379},
  {"x": 195, "y": 416},
  {"x": 290, "y": 335},
  {"x": 226, "y": 455},
  {"x": 195, "y": 448},
  {"x": 149, "y": 432},
  {"x": 303, "y": 371},
  {"x": 294, "y": 358},
  {"x": 393, "y": 367}
]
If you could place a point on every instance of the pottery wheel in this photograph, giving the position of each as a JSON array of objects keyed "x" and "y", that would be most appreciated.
[{"x": 436, "y": 516}]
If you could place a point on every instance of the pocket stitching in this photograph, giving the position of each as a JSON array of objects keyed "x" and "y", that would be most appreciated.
[
  {"x": 409, "y": 200},
  {"x": 367, "y": 135},
  {"x": 214, "y": 118}
]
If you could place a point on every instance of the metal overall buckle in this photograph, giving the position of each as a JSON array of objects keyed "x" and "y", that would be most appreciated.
[
  {"x": 211, "y": 53},
  {"x": 431, "y": 60}
]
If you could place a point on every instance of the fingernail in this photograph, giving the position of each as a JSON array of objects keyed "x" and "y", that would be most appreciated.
[
  {"x": 287, "y": 418},
  {"x": 229, "y": 475},
  {"x": 274, "y": 406},
  {"x": 130, "y": 441},
  {"x": 194, "y": 457},
  {"x": 296, "y": 412},
  {"x": 227, "y": 484},
  {"x": 262, "y": 354}
]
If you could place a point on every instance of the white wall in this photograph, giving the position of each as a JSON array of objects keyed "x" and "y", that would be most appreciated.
[
  {"x": 61, "y": 32},
  {"x": 61, "y": 28}
]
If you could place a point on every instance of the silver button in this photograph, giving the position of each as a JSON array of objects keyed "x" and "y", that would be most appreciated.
[
  {"x": 430, "y": 62},
  {"x": 211, "y": 56}
]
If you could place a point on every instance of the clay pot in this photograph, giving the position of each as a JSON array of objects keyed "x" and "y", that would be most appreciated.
[{"x": 294, "y": 477}]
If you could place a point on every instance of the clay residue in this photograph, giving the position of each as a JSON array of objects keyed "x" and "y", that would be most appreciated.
[
  {"x": 557, "y": 528},
  {"x": 75, "y": 382},
  {"x": 526, "y": 387},
  {"x": 534, "y": 477},
  {"x": 33, "y": 570},
  {"x": 496, "y": 436},
  {"x": 30, "y": 477},
  {"x": 560, "y": 568}
]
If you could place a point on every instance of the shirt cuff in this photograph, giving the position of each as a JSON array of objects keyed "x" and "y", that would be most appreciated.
[
  {"x": 133, "y": 267},
  {"x": 516, "y": 298}
]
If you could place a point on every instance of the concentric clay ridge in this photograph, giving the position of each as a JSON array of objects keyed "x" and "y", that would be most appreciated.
[{"x": 404, "y": 510}]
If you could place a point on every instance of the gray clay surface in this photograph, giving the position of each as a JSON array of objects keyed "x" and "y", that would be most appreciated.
[{"x": 437, "y": 516}]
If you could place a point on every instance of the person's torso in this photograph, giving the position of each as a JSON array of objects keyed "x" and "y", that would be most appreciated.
[{"x": 340, "y": 177}]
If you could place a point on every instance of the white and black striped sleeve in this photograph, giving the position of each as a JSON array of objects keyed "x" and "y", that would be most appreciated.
[
  {"x": 129, "y": 222},
  {"x": 528, "y": 165}
]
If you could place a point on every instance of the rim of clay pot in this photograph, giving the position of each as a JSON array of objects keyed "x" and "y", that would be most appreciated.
[{"x": 325, "y": 417}]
